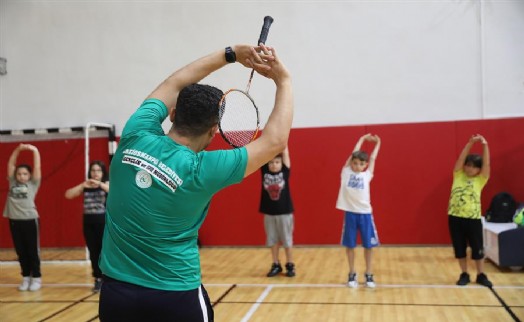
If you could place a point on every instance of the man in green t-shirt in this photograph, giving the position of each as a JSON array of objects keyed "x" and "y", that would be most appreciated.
[{"x": 161, "y": 187}]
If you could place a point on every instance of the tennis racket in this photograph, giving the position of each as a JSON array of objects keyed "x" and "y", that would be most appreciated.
[{"x": 238, "y": 114}]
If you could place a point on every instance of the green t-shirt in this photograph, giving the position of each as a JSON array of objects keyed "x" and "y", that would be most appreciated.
[
  {"x": 465, "y": 195},
  {"x": 160, "y": 195}
]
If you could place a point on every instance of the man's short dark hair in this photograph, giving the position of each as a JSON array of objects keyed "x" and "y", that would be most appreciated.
[
  {"x": 474, "y": 160},
  {"x": 360, "y": 155},
  {"x": 196, "y": 109}
]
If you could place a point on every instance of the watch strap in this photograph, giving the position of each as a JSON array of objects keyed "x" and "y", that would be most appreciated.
[{"x": 230, "y": 55}]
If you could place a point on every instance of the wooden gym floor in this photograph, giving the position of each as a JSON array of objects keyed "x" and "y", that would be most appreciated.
[{"x": 413, "y": 284}]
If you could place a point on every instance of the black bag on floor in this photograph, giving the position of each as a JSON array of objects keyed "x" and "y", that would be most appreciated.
[{"x": 502, "y": 208}]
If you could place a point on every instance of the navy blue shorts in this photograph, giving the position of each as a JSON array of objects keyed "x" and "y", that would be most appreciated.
[
  {"x": 120, "y": 301},
  {"x": 363, "y": 223}
]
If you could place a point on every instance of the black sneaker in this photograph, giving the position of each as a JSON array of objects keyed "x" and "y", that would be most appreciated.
[
  {"x": 463, "y": 279},
  {"x": 290, "y": 270},
  {"x": 276, "y": 268},
  {"x": 482, "y": 279},
  {"x": 98, "y": 285}
]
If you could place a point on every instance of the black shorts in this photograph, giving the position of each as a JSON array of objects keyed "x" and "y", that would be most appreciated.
[
  {"x": 120, "y": 301},
  {"x": 464, "y": 232}
]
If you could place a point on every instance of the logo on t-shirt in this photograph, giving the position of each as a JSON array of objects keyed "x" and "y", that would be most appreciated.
[
  {"x": 143, "y": 179},
  {"x": 356, "y": 182},
  {"x": 19, "y": 191},
  {"x": 274, "y": 184}
]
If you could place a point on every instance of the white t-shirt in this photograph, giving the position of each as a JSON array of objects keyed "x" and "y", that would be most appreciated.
[{"x": 354, "y": 193}]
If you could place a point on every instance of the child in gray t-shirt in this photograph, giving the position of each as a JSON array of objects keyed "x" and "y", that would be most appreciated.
[{"x": 20, "y": 208}]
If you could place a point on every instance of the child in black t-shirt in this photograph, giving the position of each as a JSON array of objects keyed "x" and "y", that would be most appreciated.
[{"x": 277, "y": 207}]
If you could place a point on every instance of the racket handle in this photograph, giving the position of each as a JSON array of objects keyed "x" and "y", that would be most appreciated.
[{"x": 265, "y": 30}]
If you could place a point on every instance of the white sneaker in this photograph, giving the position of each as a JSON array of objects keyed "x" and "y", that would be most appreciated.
[
  {"x": 369, "y": 281},
  {"x": 352, "y": 280},
  {"x": 24, "y": 286},
  {"x": 36, "y": 284}
]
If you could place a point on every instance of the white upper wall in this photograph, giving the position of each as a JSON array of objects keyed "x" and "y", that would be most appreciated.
[{"x": 353, "y": 62}]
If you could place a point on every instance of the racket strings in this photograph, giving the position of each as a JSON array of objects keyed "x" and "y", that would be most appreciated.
[{"x": 238, "y": 118}]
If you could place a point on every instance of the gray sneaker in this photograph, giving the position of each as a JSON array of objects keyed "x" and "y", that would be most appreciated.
[{"x": 98, "y": 285}]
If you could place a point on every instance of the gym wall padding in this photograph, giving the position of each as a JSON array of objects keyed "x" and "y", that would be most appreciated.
[
  {"x": 62, "y": 167},
  {"x": 409, "y": 192}
]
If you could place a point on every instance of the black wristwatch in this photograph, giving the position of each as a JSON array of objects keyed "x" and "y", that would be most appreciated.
[{"x": 231, "y": 57}]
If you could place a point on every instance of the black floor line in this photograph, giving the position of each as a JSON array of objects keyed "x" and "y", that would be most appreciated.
[
  {"x": 223, "y": 295},
  {"x": 66, "y": 308},
  {"x": 363, "y": 303},
  {"x": 93, "y": 319},
  {"x": 220, "y": 300},
  {"x": 508, "y": 309}
]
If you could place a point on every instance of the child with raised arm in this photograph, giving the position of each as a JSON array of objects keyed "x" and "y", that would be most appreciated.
[
  {"x": 470, "y": 175},
  {"x": 277, "y": 207},
  {"x": 354, "y": 200},
  {"x": 94, "y": 190},
  {"x": 21, "y": 210}
]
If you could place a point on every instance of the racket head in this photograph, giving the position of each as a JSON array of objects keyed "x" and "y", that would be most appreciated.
[{"x": 239, "y": 120}]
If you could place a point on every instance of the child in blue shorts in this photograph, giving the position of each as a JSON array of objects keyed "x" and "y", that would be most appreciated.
[{"x": 354, "y": 200}]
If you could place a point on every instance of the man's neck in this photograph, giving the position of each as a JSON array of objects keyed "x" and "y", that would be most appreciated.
[{"x": 196, "y": 144}]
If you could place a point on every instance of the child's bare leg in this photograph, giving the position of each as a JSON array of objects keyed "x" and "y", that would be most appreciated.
[
  {"x": 350, "y": 252},
  {"x": 274, "y": 252},
  {"x": 463, "y": 264},
  {"x": 480, "y": 265},
  {"x": 289, "y": 255},
  {"x": 368, "y": 252}
]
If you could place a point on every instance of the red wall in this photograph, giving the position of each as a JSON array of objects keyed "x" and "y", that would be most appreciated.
[
  {"x": 409, "y": 192},
  {"x": 62, "y": 167}
]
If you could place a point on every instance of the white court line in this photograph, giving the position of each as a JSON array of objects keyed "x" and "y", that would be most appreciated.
[
  {"x": 271, "y": 286},
  {"x": 363, "y": 287},
  {"x": 255, "y": 306},
  {"x": 53, "y": 262},
  {"x": 51, "y": 285}
]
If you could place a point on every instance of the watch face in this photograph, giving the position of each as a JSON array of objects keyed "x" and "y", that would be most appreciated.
[{"x": 231, "y": 57}]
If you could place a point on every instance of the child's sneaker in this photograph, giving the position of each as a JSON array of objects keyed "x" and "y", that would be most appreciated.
[
  {"x": 369, "y": 281},
  {"x": 482, "y": 279},
  {"x": 36, "y": 284},
  {"x": 290, "y": 270},
  {"x": 352, "y": 280},
  {"x": 24, "y": 286},
  {"x": 98, "y": 285},
  {"x": 276, "y": 268},
  {"x": 463, "y": 279}
]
